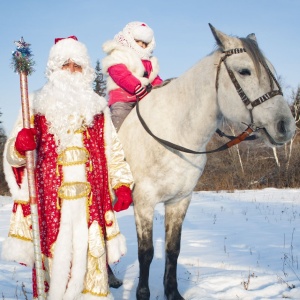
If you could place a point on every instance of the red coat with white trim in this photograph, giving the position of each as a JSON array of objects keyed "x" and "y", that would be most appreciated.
[{"x": 90, "y": 210}]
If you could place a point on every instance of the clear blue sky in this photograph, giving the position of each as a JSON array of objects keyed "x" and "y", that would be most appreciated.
[{"x": 181, "y": 29}]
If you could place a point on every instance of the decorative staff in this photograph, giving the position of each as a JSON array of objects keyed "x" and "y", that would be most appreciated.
[{"x": 23, "y": 64}]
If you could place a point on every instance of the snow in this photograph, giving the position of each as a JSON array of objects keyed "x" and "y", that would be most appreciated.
[{"x": 235, "y": 245}]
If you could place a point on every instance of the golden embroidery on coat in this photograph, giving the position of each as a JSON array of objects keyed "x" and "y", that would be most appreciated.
[
  {"x": 19, "y": 155},
  {"x": 96, "y": 278},
  {"x": 112, "y": 227},
  {"x": 74, "y": 190},
  {"x": 20, "y": 226},
  {"x": 73, "y": 156},
  {"x": 21, "y": 201},
  {"x": 120, "y": 184}
]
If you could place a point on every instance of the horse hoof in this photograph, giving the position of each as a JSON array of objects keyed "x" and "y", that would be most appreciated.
[
  {"x": 174, "y": 296},
  {"x": 142, "y": 294},
  {"x": 113, "y": 281}
]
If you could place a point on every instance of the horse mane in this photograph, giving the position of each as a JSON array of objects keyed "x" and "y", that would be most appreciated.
[
  {"x": 165, "y": 82},
  {"x": 253, "y": 51},
  {"x": 257, "y": 56}
]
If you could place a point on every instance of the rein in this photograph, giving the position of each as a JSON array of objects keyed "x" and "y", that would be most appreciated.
[
  {"x": 235, "y": 140},
  {"x": 245, "y": 135}
]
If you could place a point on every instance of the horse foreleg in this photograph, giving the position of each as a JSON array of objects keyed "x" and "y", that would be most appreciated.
[
  {"x": 174, "y": 216},
  {"x": 144, "y": 224}
]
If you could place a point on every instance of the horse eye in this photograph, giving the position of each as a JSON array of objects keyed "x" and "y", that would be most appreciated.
[{"x": 245, "y": 72}]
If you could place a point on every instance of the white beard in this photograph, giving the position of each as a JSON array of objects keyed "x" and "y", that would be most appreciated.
[{"x": 68, "y": 102}]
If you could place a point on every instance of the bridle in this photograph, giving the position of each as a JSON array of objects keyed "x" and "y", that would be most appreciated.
[
  {"x": 245, "y": 135},
  {"x": 249, "y": 104}
]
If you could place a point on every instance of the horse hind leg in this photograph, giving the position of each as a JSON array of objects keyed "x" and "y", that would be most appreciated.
[
  {"x": 144, "y": 226},
  {"x": 174, "y": 216}
]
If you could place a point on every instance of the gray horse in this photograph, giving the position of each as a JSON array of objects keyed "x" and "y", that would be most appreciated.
[{"x": 235, "y": 82}]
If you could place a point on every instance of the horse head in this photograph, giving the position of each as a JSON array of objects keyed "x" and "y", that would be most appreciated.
[{"x": 248, "y": 91}]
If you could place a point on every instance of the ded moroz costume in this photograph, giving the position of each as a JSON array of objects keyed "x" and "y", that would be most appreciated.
[{"x": 80, "y": 168}]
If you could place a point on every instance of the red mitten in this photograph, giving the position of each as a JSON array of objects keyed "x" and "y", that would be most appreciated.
[
  {"x": 25, "y": 140},
  {"x": 142, "y": 91},
  {"x": 124, "y": 198}
]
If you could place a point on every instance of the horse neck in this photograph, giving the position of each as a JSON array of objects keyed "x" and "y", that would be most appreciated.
[{"x": 192, "y": 99}]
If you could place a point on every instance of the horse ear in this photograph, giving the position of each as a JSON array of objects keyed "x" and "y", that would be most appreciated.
[
  {"x": 252, "y": 36},
  {"x": 220, "y": 37}
]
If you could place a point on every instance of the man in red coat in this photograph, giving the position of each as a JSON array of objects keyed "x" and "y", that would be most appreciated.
[{"x": 80, "y": 168}]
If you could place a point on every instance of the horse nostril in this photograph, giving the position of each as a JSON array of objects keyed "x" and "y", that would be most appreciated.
[{"x": 281, "y": 127}]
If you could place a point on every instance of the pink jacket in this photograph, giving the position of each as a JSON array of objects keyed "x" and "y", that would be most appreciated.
[{"x": 127, "y": 82}]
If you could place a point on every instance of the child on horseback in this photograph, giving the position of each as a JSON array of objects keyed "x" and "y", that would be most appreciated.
[{"x": 131, "y": 69}]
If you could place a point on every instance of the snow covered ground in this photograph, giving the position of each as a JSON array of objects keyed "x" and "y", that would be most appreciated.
[{"x": 240, "y": 245}]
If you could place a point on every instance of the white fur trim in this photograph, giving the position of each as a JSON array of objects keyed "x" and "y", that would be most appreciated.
[
  {"x": 67, "y": 49},
  {"x": 71, "y": 246},
  {"x": 18, "y": 193},
  {"x": 70, "y": 49},
  {"x": 143, "y": 33},
  {"x": 74, "y": 173},
  {"x": 126, "y": 38},
  {"x": 14, "y": 249},
  {"x": 116, "y": 248},
  {"x": 155, "y": 68},
  {"x": 118, "y": 54}
]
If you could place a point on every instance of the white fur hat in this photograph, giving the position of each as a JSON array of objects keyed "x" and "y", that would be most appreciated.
[
  {"x": 137, "y": 31},
  {"x": 67, "y": 48},
  {"x": 142, "y": 32}
]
